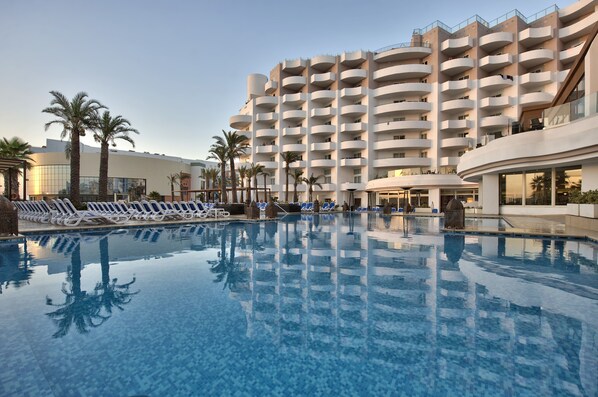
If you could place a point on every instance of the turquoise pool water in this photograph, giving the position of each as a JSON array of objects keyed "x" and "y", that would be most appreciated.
[{"x": 329, "y": 305}]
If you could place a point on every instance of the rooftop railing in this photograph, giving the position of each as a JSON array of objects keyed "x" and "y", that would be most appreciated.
[
  {"x": 578, "y": 109},
  {"x": 402, "y": 45}
]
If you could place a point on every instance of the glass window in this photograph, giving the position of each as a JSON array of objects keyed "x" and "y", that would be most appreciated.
[
  {"x": 566, "y": 180},
  {"x": 511, "y": 189},
  {"x": 538, "y": 187}
]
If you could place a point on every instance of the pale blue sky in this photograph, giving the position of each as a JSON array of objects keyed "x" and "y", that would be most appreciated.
[{"x": 177, "y": 69}]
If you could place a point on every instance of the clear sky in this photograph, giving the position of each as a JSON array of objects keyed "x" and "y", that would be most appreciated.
[{"x": 177, "y": 68}]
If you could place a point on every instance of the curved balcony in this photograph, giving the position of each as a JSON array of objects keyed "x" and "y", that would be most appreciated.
[
  {"x": 494, "y": 41},
  {"x": 296, "y": 164},
  {"x": 294, "y": 82},
  {"x": 294, "y": 99},
  {"x": 269, "y": 165},
  {"x": 354, "y": 162},
  {"x": 448, "y": 161},
  {"x": 353, "y": 93},
  {"x": 455, "y": 143},
  {"x": 268, "y": 102},
  {"x": 570, "y": 54},
  {"x": 401, "y": 72},
  {"x": 456, "y": 66},
  {"x": 406, "y": 125},
  {"x": 356, "y": 144},
  {"x": 403, "y": 89},
  {"x": 531, "y": 80},
  {"x": 494, "y": 62},
  {"x": 495, "y": 102},
  {"x": 294, "y": 131},
  {"x": 294, "y": 115},
  {"x": 266, "y": 149},
  {"x": 323, "y": 96},
  {"x": 271, "y": 86},
  {"x": 353, "y": 76},
  {"x": 494, "y": 122},
  {"x": 294, "y": 147},
  {"x": 322, "y": 129},
  {"x": 495, "y": 83},
  {"x": 452, "y": 47},
  {"x": 531, "y": 36},
  {"x": 406, "y": 162},
  {"x": 393, "y": 144},
  {"x": 323, "y": 113},
  {"x": 239, "y": 121},
  {"x": 323, "y": 62},
  {"x": 456, "y": 87},
  {"x": 576, "y": 10},
  {"x": 456, "y": 125},
  {"x": 562, "y": 75},
  {"x": 402, "y": 108},
  {"x": 535, "y": 98},
  {"x": 322, "y": 146},
  {"x": 353, "y": 110},
  {"x": 326, "y": 187},
  {"x": 323, "y": 79},
  {"x": 294, "y": 65},
  {"x": 269, "y": 117},
  {"x": 245, "y": 133},
  {"x": 353, "y": 58},
  {"x": 532, "y": 58},
  {"x": 580, "y": 28},
  {"x": 352, "y": 186},
  {"x": 322, "y": 163},
  {"x": 266, "y": 133},
  {"x": 403, "y": 53},
  {"x": 457, "y": 105},
  {"x": 353, "y": 127}
]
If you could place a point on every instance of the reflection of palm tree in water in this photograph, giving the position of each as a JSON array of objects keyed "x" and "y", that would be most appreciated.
[
  {"x": 14, "y": 267},
  {"x": 111, "y": 294},
  {"x": 82, "y": 309},
  {"x": 227, "y": 269}
]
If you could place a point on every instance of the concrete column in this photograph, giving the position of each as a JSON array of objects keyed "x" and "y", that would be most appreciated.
[{"x": 489, "y": 194}]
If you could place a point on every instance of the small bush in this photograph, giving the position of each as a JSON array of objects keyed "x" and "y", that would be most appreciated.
[
  {"x": 154, "y": 196},
  {"x": 579, "y": 197}
]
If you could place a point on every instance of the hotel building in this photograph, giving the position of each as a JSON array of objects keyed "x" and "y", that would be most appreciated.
[{"x": 381, "y": 125}]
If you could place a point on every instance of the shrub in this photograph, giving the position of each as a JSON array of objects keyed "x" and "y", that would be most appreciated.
[
  {"x": 579, "y": 197},
  {"x": 154, "y": 196}
]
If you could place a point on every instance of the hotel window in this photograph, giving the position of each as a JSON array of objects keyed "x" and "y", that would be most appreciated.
[
  {"x": 460, "y": 153},
  {"x": 423, "y": 155},
  {"x": 423, "y": 136},
  {"x": 328, "y": 123},
  {"x": 423, "y": 81},
  {"x": 398, "y": 101},
  {"x": 424, "y": 99},
  {"x": 463, "y": 134},
  {"x": 566, "y": 181},
  {"x": 357, "y": 121},
  {"x": 358, "y": 103},
  {"x": 423, "y": 118},
  {"x": 463, "y": 117},
  {"x": 399, "y": 137},
  {"x": 328, "y": 140},
  {"x": 510, "y": 189},
  {"x": 399, "y": 119},
  {"x": 538, "y": 187},
  {"x": 464, "y": 97},
  {"x": 357, "y": 171},
  {"x": 357, "y": 179},
  {"x": 466, "y": 77},
  {"x": 272, "y": 181},
  {"x": 398, "y": 155},
  {"x": 300, "y": 141},
  {"x": 272, "y": 158},
  {"x": 327, "y": 157},
  {"x": 357, "y": 155}
]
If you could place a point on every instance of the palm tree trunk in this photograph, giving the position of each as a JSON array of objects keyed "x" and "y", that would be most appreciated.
[
  {"x": 249, "y": 189},
  {"x": 286, "y": 171},
  {"x": 311, "y": 191},
  {"x": 242, "y": 191},
  {"x": 171, "y": 190},
  {"x": 223, "y": 199},
  {"x": 103, "y": 179},
  {"x": 295, "y": 197},
  {"x": 75, "y": 192},
  {"x": 257, "y": 194},
  {"x": 105, "y": 261},
  {"x": 233, "y": 180},
  {"x": 265, "y": 189}
]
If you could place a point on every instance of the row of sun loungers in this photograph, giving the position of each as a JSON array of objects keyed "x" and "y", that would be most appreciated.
[
  {"x": 63, "y": 212},
  {"x": 325, "y": 207}
]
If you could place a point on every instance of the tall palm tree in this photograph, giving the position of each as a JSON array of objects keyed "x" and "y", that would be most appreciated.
[
  {"x": 15, "y": 148},
  {"x": 311, "y": 182},
  {"x": 219, "y": 152},
  {"x": 243, "y": 170},
  {"x": 288, "y": 158},
  {"x": 214, "y": 175},
  {"x": 235, "y": 145},
  {"x": 254, "y": 171},
  {"x": 173, "y": 179},
  {"x": 75, "y": 116},
  {"x": 266, "y": 175},
  {"x": 297, "y": 179},
  {"x": 107, "y": 131}
]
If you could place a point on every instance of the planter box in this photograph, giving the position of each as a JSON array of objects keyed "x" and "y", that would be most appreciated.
[
  {"x": 573, "y": 209},
  {"x": 588, "y": 210}
]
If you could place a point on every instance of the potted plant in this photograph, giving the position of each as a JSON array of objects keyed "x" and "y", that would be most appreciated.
[
  {"x": 573, "y": 204},
  {"x": 588, "y": 203}
]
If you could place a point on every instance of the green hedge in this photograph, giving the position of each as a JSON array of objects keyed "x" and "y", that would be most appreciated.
[{"x": 589, "y": 197}]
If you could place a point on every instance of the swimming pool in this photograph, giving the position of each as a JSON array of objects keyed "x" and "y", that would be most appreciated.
[{"x": 312, "y": 305}]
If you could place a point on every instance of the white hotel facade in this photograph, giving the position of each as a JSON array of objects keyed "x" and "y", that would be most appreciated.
[{"x": 397, "y": 121}]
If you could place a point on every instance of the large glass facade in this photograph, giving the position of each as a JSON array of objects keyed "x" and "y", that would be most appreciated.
[
  {"x": 550, "y": 186},
  {"x": 54, "y": 181}
]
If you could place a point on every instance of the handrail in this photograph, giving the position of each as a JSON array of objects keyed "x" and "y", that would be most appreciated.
[{"x": 402, "y": 45}]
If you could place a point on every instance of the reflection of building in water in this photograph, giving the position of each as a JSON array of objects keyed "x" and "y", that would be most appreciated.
[{"x": 336, "y": 290}]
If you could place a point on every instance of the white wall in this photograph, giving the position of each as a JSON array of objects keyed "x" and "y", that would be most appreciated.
[{"x": 489, "y": 194}]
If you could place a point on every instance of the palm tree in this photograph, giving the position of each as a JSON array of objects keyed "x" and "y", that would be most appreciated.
[
  {"x": 173, "y": 179},
  {"x": 243, "y": 170},
  {"x": 108, "y": 130},
  {"x": 254, "y": 171},
  {"x": 288, "y": 158},
  {"x": 219, "y": 152},
  {"x": 18, "y": 149},
  {"x": 297, "y": 178},
  {"x": 235, "y": 145},
  {"x": 214, "y": 173},
  {"x": 311, "y": 182},
  {"x": 75, "y": 116},
  {"x": 266, "y": 175}
]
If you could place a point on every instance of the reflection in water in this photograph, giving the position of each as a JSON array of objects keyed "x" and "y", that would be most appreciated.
[
  {"x": 88, "y": 310},
  {"x": 15, "y": 266}
]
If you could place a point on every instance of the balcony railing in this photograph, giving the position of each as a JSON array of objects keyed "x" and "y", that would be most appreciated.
[
  {"x": 571, "y": 111},
  {"x": 402, "y": 45}
]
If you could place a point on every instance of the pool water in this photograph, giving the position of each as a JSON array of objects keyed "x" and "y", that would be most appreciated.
[{"x": 309, "y": 305}]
